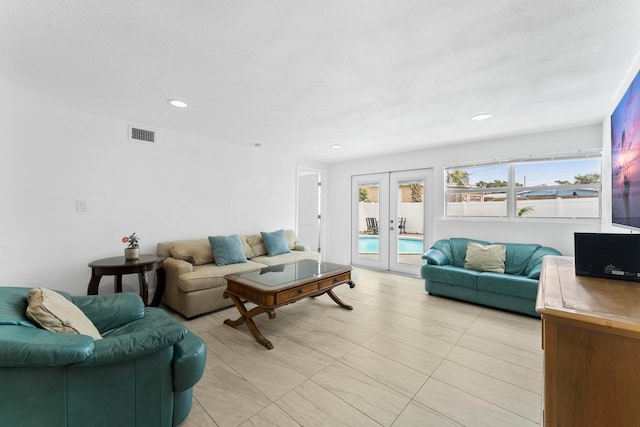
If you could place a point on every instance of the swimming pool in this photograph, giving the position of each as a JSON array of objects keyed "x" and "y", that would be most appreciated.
[{"x": 369, "y": 244}]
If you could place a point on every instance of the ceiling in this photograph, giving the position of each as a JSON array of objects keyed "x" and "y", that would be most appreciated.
[{"x": 297, "y": 76}]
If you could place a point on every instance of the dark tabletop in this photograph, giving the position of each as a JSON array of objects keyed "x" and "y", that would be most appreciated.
[{"x": 119, "y": 261}]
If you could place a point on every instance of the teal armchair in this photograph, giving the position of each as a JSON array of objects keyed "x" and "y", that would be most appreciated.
[{"x": 140, "y": 374}]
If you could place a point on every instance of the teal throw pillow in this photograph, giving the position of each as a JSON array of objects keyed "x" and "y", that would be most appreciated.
[
  {"x": 227, "y": 250},
  {"x": 275, "y": 243}
]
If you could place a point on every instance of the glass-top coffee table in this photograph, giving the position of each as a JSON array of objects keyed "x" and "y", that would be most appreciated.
[{"x": 273, "y": 287}]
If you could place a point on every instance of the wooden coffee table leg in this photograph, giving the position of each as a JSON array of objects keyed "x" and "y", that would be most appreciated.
[
  {"x": 247, "y": 317},
  {"x": 337, "y": 300}
]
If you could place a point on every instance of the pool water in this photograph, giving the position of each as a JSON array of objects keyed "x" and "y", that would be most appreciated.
[{"x": 405, "y": 246}]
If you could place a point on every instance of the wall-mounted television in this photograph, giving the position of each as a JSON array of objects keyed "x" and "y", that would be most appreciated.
[{"x": 625, "y": 158}]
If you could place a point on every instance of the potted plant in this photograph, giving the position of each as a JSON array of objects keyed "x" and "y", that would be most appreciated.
[{"x": 131, "y": 252}]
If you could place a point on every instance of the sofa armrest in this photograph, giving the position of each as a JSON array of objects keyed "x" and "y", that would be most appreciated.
[
  {"x": 534, "y": 266},
  {"x": 111, "y": 310},
  {"x": 154, "y": 332},
  {"x": 22, "y": 346},
  {"x": 435, "y": 257},
  {"x": 176, "y": 267},
  {"x": 304, "y": 248},
  {"x": 189, "y": 358}
]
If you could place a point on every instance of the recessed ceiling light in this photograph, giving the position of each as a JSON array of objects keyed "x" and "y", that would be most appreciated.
[
  {"x": 177, "y": 103},
  {"x": 336, "y": 146},
  {"x": 482, "y": 116}
]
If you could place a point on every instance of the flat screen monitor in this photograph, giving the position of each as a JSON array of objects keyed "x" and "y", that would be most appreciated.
[
  {"x": 608, "y": 255},
  {"x": 625, "y": 158}
]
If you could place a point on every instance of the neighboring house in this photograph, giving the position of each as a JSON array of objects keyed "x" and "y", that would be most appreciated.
[{"x": 581, "y": 192}]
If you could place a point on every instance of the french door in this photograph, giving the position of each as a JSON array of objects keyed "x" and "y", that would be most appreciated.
[{"x": 390, "y": 220}]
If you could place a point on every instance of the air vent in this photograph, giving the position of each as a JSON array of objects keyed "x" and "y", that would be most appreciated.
[{"x": 141, "y": 134}]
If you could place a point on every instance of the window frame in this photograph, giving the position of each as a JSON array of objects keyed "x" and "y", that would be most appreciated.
[{"x": 512, "y": 189}]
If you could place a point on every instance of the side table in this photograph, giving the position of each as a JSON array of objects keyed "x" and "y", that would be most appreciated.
[{"x": 117, "y": 266}]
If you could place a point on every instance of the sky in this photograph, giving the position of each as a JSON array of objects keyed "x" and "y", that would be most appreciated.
[{"x": 536, "y": 173}]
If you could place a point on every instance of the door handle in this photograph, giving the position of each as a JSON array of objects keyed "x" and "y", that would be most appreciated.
[{"x": 391, "y": 228}]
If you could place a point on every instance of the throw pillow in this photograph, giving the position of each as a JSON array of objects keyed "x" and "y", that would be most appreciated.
[
  {"x": 248, "y": 252},
  {"x": 227, "y": 249},
  {"x": 196, "y": 252},
  {"x": 485, "y": 257},
  {"x": 55, "y": 313},
  {"x": 292, "y": 239},
  {"x": 276, "y": 242},
  {"x": 256, "y": 244}
]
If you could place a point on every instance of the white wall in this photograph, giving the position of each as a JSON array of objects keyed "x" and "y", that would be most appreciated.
[
  {"x": 557, "y": 234},
  {"x": 183, "y": 187}
]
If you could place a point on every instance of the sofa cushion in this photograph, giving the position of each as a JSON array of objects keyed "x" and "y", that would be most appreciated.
[
  {"x": 508, "y": 284},
  {"x": 154, "y": 331},
  {"x": 456, "y": 276},
  {"x": 518, "y": 255},
  {"x": 13, "y": 306},
  {"x": 275, "y": 242},
  {"x": 288, "y": 257},
  {"x": 196, "y": 252},
  {"x": 110, "y": 310},
  {"x": 459, "y": 249},
  {"x": 212, "y": 276},
  {"x": 485, "y": 257},
  {"x": 55, "y": 313},
  {"x": 256, "y": 244},
  {"x": 227, "y": 250}
]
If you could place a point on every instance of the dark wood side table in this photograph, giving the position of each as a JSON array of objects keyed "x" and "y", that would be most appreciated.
[{"x": 117, "y": 266}]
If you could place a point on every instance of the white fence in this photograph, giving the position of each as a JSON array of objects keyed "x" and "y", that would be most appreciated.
[
  {"x": 581, "y": 207},
  {"x": 547, "y": 208}
]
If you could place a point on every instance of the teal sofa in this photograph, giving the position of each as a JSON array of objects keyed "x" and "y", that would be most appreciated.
[
  {"x": 140, "y": 374},
  {"x": 514, "y": 290}
]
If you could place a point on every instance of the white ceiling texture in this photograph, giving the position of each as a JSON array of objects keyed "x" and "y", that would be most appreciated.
[{"x": 374, "y": 76}]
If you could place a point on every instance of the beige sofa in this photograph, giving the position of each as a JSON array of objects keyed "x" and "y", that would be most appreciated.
[{"x": 195, "y": 284}]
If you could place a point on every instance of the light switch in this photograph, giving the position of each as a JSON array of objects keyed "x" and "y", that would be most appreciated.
[{"x": 82, "y": 206}]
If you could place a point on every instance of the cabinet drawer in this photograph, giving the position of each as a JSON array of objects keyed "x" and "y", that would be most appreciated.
[
  {"x": 296, "y": 293},
  {"x": 333, "y": 280}
]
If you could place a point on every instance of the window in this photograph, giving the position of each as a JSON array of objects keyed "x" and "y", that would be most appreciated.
[
  {"x": 537, "y": 188},
  {"x": 477, "y": 191}
]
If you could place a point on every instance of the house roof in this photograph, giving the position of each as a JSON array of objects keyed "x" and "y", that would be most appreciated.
[{"x": 559, "y": 192}]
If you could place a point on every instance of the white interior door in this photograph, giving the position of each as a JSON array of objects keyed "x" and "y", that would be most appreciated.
[
  {"x": 309, "y": 210},
  {"x": 390, "y": 220}
]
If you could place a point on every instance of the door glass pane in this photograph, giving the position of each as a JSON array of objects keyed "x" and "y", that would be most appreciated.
[
  {"x": 410, "y": 222},
  {"x": 368, "y": 218}
]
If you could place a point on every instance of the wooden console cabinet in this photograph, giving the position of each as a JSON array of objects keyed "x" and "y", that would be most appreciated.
[{"x": 591, "y": 342}]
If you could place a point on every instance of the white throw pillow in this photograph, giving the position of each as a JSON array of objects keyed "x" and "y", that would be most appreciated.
[
  {"x": 55, "y": 313},
  {"x": 485, "y": 258}
]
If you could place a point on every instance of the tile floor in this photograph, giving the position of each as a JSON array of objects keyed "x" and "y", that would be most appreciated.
[{"x": 400, "y": 358}]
